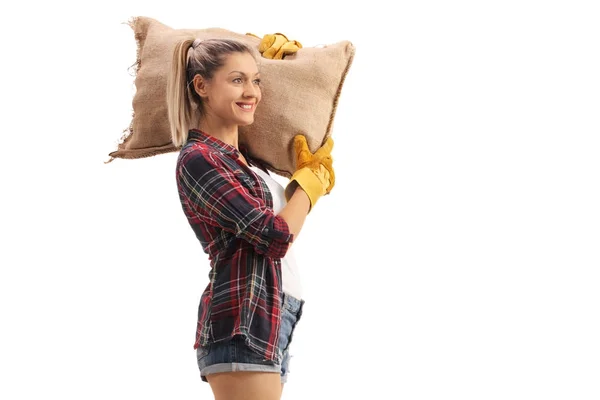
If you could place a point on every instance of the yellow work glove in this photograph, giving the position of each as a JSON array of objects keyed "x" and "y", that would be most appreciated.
[
  {"x": 277, "y": 46},
  {"x": 314, "y": 172}
]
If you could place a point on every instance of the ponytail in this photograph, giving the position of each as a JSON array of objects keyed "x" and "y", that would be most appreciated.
[{"x": 178, "y": 103}]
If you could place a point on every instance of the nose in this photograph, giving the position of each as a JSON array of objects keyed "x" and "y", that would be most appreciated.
[{"x": 251, "y": 90}]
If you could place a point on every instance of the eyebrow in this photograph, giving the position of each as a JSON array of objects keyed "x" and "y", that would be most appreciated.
[{"x": 240, "y": 72}]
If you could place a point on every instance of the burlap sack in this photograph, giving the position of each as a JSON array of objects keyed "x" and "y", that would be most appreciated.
[{"x": 299, "y": 96}]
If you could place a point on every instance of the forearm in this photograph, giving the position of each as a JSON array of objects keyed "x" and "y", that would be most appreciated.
[{"x": 295, "y": 211}]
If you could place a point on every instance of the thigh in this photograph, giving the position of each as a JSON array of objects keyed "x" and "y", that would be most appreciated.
[
  {"x": 243, "y": 385},
  {"x": 232, "y": 355}
]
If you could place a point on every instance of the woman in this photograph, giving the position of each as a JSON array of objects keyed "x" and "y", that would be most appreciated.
[{"x": 245, "y": 221}]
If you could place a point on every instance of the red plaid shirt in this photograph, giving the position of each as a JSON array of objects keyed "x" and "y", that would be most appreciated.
[{"x": 230, "y": 209}]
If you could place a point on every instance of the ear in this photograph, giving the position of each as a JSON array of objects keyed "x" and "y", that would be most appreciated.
[{"x": 200, "y": 86}]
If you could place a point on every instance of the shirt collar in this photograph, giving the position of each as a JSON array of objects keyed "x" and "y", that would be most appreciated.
[{"x": 199, "y": 136}]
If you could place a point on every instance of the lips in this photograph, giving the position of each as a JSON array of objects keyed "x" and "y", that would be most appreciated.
[{"x": 246, "y": 106}]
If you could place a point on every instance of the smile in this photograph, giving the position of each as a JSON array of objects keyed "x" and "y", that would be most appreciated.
[{"x": 246, "y": 106}]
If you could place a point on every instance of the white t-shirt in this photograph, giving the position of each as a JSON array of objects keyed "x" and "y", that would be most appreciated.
[{"x": 289, "y": 269}]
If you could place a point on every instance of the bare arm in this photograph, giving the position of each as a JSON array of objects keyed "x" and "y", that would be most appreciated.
[{"x": 295, "y": 211}]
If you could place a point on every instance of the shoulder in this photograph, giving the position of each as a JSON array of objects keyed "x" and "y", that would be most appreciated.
[{"x": 200, "y": 157}]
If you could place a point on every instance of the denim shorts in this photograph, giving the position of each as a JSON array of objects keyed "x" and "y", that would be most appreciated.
[{"x": 234, "y": 355}]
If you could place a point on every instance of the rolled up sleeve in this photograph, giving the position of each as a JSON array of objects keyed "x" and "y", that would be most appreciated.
[{"x": 218, "y": 198}]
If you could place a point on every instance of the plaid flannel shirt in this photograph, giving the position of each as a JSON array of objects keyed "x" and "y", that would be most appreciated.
[{"x": 230, "y": 209}]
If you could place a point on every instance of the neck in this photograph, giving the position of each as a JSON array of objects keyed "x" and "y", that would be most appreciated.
[{"x": 226, "y": 133}]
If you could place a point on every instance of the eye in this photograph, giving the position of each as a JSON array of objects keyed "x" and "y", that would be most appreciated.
[
  {"x": 237, "y": 80},
  {"x": 257, "y": 81}
]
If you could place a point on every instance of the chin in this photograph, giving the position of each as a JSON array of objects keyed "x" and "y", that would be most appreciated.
[{"x": 245, "y": 122}]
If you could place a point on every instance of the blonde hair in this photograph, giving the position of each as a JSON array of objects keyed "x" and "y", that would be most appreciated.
[{"x": 190, "y": 58}]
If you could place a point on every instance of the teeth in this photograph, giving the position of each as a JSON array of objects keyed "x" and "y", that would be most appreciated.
[{"x": 246, "y": 106}]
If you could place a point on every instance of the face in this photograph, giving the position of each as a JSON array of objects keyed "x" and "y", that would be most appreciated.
[{"x": 234, "y": 92}]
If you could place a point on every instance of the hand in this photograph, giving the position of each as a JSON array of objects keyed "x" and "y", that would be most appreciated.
[
  {"x": 320, "y": 163},
  {"x": 314, "y": 172},
  {"x": 277, "y": 46}
]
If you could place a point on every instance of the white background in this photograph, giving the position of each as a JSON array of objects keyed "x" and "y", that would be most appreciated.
[{"x": 456, "y": 258}]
